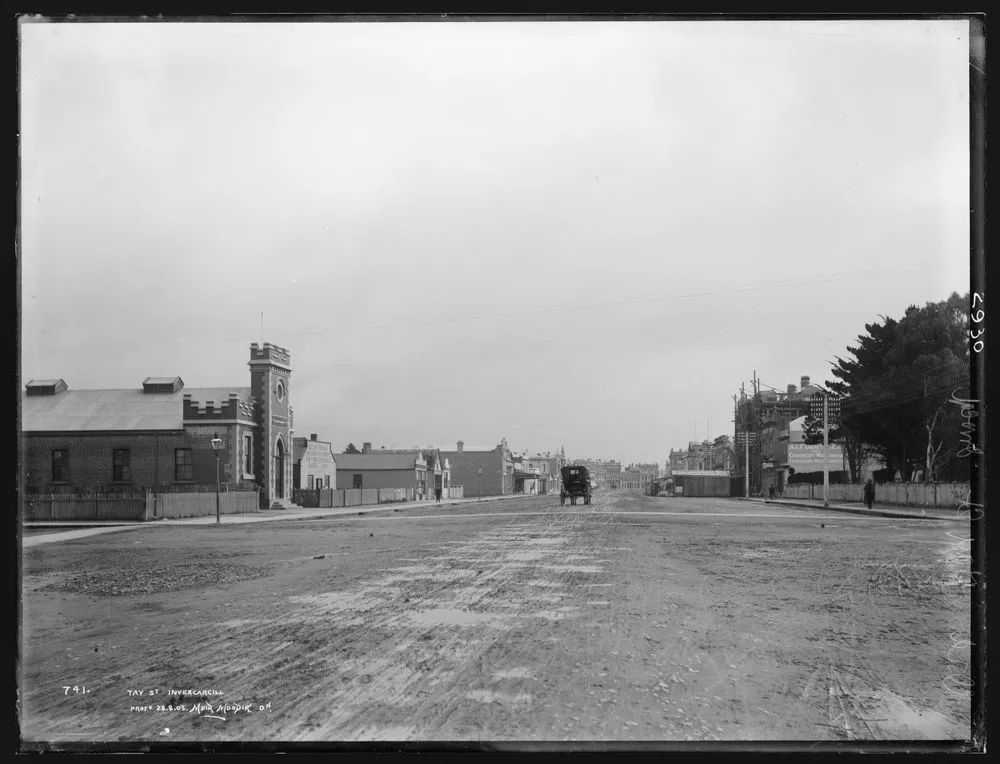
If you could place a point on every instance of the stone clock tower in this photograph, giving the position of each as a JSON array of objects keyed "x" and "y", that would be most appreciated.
[{"x": 270, "y": 371}]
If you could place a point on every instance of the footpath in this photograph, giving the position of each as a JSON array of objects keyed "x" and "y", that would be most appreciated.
[
  {"x": 918, "y": 513},
  {"x": 82, "y": 529}
]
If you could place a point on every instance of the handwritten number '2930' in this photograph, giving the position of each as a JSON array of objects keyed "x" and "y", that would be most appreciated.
[{"x": 978, "y": 316}]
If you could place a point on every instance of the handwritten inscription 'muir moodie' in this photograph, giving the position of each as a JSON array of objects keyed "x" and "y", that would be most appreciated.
[
  {"x": 968, "y": 435},
  {"x": 204, "y": 708}
]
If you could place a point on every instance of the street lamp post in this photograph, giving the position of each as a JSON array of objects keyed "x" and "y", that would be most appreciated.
[{"x": 217, "y": 447}]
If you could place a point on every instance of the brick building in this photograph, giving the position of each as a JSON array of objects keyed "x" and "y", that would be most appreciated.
[
  {"x": 482, "y": 470},
  {"x": 159, "y": 435},
  {"x": 314, "y": 463}
]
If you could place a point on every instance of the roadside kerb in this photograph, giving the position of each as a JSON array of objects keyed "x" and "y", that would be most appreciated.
[
  {"x": 360, "y": 509},
  {"x": 909, "y": 513},
  {"x": 82, "y": 529}
]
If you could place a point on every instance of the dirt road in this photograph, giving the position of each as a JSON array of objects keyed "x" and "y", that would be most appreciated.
[{"x": 631, "y": 619}]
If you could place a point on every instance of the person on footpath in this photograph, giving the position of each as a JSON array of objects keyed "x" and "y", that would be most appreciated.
[
  {"x": 869, "y": 493},
  {"x": 437, "y": 495},
  {"x": 770, "y": 492}
]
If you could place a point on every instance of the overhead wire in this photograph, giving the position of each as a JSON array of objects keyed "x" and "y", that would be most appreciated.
[{"x": 410, "y": 321}]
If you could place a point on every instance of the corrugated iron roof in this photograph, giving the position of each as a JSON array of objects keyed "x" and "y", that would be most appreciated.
[
  {"x": 106, "y": 410},
  {"x": 375, "y": 461}
]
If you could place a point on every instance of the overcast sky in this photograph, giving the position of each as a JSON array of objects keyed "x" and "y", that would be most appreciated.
[{"x": 577, "y": 233}]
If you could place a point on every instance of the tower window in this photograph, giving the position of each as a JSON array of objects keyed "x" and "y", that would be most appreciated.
[{"x": 248, "y": 454}]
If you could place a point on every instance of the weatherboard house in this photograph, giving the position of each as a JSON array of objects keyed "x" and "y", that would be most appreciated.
[{"x": 159, "y": 436}]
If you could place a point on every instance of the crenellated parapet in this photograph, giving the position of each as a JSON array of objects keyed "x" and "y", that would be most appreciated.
[
  {"x": 270, "y": 354},
  {"x": 205, "y": 411}
]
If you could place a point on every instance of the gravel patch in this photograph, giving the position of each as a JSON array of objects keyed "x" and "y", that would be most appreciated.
[{"x": 134, "y": 581}]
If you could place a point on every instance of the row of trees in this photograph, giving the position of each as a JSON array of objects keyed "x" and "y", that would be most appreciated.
[{"x": 897, "y": 394}]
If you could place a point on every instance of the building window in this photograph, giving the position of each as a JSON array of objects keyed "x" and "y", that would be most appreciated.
[
  {"x": 60, "y": 465},
  {"x": 357, "y": 481},
  {"x": 312, "y": 482},
  {"x": 326, "y": 481},
  {"x": 279, "y": 390},
  {"x": 183, "y": 465},
  {"x": 248, "y": 454},
  {"x": 121, "y": 466}
]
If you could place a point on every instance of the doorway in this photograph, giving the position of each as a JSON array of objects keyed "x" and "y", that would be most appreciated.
[{"x": 279, "y": 470}]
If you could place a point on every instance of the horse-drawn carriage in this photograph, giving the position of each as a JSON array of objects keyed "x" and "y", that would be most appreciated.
[{"x": 575, "y": 484}]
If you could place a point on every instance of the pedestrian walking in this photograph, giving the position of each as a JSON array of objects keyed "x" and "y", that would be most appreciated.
[
  {"x": 437, "y": 495},
  {"x": 770, "y": 492},
  {"x": 869, "y": 493}
]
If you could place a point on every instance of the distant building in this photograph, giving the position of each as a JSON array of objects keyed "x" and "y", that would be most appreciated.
[
  {"x": 378, "y": 470},
  {"x": 714, "y": 454},
  {"x": 548, "y": 466},
  {"x": 159, "y": 434},
  {"x": 766, "y": 416},
  {"x": 701, "y": 483},
  {"x": 639, "y": 478},
  {"x": 482, "y": 470},
  {"x": 606, "y": 473},
  {"x": 438, "y": 467},
  {"x": 527, "y": 476},
  {"x": 314, "y": 463}
]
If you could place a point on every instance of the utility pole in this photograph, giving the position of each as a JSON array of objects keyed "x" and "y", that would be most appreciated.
[
  {"x": 756, "y": 442},
  {"x": 826, "y": 441},
  {"x": 746, "y": 441}
]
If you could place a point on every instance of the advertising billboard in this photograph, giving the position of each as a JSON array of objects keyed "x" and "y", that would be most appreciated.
[{"x": 805, "y": 458}]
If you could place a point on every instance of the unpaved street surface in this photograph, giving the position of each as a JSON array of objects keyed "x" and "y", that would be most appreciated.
[{"x": 633, "y": 618}]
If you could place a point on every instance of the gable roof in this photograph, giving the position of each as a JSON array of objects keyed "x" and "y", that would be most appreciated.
[
  {"x": 431, "y": 454},
  {"x": 117, "y": 410},
  {"x": 375, "y": 461},
  {"x": 453, "y": 448}
]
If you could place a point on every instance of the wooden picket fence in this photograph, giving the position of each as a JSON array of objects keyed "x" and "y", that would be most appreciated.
[
  {"x": 356, "y": 497},
  {"x": 135, "y": 507},
  {"x": 944, "y": 495}
]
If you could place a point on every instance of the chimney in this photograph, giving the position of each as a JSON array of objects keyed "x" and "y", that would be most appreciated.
[
  {"x": 313, "y": 436},
  {"x": 366, "y": 447},
  {"x": 791, "y": 389},
  {"x": 804, "y": 382},
  {"x": 461, "y": 446}
]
